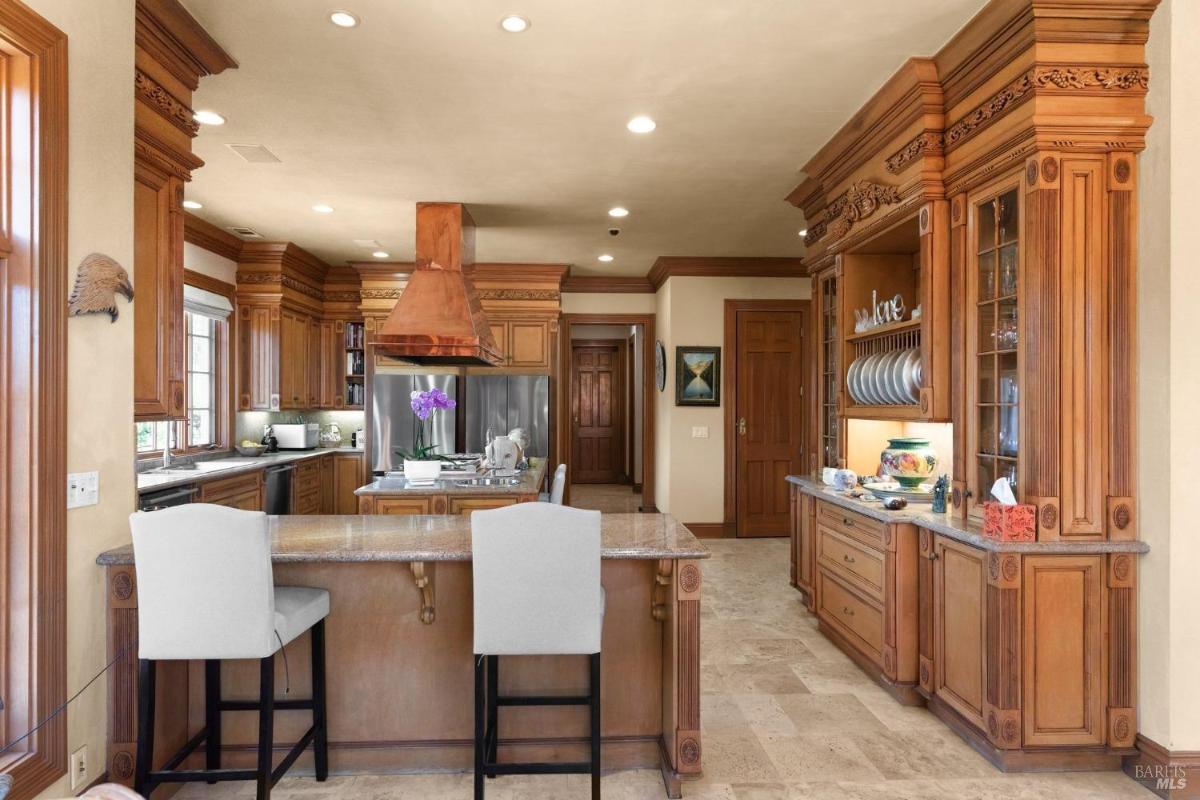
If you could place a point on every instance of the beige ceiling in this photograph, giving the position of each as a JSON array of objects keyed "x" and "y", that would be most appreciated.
[{"x": 430, "y": 100}]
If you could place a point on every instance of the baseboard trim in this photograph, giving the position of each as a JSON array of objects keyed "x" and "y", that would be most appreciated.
[
  {"x": 711, "y": 530},
  {"x": 1171, "y": 775},
  {"x": 637, "y": 488}
]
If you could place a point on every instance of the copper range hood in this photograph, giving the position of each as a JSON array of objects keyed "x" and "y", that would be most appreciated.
[{"x": 438, "y": 318}]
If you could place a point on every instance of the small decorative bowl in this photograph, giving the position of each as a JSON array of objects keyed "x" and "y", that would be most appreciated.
[{"x": 253, "y": 452}]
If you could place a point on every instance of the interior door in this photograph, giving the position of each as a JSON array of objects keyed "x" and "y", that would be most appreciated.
[
  {"x": 597, "y": 432},
  {"x": 769, "y": 418}
]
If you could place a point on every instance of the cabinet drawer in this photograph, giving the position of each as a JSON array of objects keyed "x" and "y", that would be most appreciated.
[
  {"x": 402, "y": 505},
  {"x": 859, "y": 565},
  {"x": 850, "y": 523},
  {"x": 309, "y": 469},
  {"x": 856, "y": 619},
  {"x": 307, "y": 503},
  {"x": 218, "y": 490},
  {"x": 465, "y": 505}
]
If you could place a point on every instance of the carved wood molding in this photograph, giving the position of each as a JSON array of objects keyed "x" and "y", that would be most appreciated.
[
  {"x": 1048, "y": 78},
  {"x": 518, "y": 294},
  {"x": 423, "y": 580},
  {"x": 856, "y": 204},
  {"x": 926, "y": 142},
  {"x": 153, "y": 152},
  {"x": 283, "y": 280},
  {"x": 607, "y": 284},
  {"x": 660, "y": 592},
  {"x": 203, "y": 233},
  {"x": 381, "y": 294},
  {"x": 168, "y": 105}
]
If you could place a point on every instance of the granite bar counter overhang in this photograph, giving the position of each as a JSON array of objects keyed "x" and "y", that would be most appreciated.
[{"x": 529, "y": 482}]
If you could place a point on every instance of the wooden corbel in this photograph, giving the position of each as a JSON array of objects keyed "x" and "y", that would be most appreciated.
[
  {"x": 424, "y": 582},
  {"x": 659, "y": 593}
]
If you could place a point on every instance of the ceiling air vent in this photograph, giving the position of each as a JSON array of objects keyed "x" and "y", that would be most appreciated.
[
  {"x": 254, "y": 153},
  {"x": 244, "y": 232}
]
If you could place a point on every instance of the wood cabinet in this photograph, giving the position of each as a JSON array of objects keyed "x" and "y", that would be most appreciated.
[
  {"x": 239, "y": 491},
  {"x": 417, "y": 504},
  {"x": 865, "y": 592},
  {"x": 803, "y": 568},
  {"x": 465, "y": 505},
  {"x": 523, "y": 343},
  {"x": 830, "y": 449},
  {"x": 306, "y": 486},
  {"x": 349, "y": 474},
  {"x": 1031, "y": 655}
]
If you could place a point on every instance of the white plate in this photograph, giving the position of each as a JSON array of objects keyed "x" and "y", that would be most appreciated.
[
  {"x": 885, "y": 377},
  {"x": 880, "y": 380},
  {"x": 851, "y": 384},
  {"x": 898, "y": 387},
  {"x": 867, "y": 379},
  {"x": 916, "y": 375}
]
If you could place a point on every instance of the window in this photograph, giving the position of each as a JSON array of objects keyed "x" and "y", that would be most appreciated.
[{"x": 208, "y": 423}]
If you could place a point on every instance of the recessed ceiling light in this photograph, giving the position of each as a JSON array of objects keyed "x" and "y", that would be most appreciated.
[
  {"x": 514, "y": 24},
  {"x": 321, "y": 208},
  {"x": 618, "y": 211},
  {"x": 641, "y": 125},
  {"x": 343, "y": 19},
  {"x": 379, "y": 254},
  {"x": 192, "y": 204},
  {"x": 605, "y": 258},
  {"x": 208, "y": 118},
  {"x": 803, "y": 231}
]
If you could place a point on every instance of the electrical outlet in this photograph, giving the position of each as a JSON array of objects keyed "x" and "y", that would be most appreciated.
[
  {"x": 79, "y": 769},
  {"x": 83, "y": 489},
  {"x": 699, "y": 431}
]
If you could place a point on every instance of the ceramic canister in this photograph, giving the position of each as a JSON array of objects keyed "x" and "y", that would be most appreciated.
[{"x": 909, "y": 461}]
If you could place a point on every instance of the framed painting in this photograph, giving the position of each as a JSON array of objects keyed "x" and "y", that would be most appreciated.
[{"x": 697, "y": 376}]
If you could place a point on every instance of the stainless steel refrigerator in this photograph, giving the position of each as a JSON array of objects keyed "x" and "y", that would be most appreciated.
[
  {"x": 503, "y": 402},
  {"x": 392, "y": 417}
]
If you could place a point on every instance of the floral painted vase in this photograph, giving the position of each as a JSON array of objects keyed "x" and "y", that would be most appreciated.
[{"x": 910, "y": 462}]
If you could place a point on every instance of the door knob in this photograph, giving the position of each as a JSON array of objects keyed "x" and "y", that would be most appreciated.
[{"x": 741, "y": 426}]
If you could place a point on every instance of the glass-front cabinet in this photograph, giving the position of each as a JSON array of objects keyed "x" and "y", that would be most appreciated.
[
  {"x": 994, "y": 385},
  {"x": 829, "y": 438}
]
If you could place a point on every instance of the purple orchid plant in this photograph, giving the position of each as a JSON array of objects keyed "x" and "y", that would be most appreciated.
[{"x": 424, "y": 406}]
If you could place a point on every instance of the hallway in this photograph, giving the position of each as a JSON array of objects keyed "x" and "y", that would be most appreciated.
[
  {"x": 785, "y": 716},
  {"x": 611, "y": 498}
]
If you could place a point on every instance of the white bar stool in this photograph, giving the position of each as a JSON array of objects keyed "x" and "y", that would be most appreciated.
[
  {"x": 559, "y": 486},
  {"x": 206, "y": 592},
  {"x": 536, "y": 576}
]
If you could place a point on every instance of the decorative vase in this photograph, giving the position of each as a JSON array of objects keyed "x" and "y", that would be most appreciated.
[
  {"x": 910, "y": 462},
  {"x": 422, "y": 470}
]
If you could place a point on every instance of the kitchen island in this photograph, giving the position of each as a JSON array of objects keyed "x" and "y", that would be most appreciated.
[
  {"x": 399, "y": 644},
  {"x": 389, "y": 495}
]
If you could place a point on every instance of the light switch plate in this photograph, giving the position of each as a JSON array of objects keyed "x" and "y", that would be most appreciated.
[
  {"x": 79, "y": 769},
  {"x": 83, "y": 489},
  {"x": 700, "y": 432}
]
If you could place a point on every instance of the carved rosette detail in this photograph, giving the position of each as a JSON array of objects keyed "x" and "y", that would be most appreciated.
[
  {"x": 927, "y": 142},
  {"x": 1010, "y": 568},
  {"x": 993, "y": 725},
  {"x": 856, "y": 204},
  {"x": 689, "y": 578},
  {"x": 1121, "y": 568},
  {"x": 122, "y": 586},
  {"x": 1046, "y": 78},
  {"x": 887, "y": 661},
  {"x": 1121, "y": 728},
  {"x": 1122, "y": 516},
  {"x": 1122, "y": 170},
  {"x": 1031, "y": 173},
  {"x": 1009, "y": 731},
  {"x": 956, "y": 497},
  {"x": 924, "y": 674},
  {"x": 924, "y": 219},
  {"x": 689, "y": 751},
  {"x": 167, "y": 104},
  {"x": 1050, "y": 169},
  {"x": 994, "y": 566},
  {"x": 122, "y": 766},
  {"x": 1049, "y": 516},
  {"x": 956, "y": 211}
]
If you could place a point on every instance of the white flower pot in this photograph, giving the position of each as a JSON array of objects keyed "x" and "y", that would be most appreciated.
[{"x": 422, "y": 470}]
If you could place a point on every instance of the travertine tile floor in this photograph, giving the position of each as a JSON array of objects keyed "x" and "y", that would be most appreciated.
[
  {"x": 611, "y": 498},
  {"x": 785, "y": 716}
]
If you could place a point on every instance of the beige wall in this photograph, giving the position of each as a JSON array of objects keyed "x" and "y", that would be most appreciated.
[
  {"x": 608, "y": 303},
  {"x": 209, "y": 263},
  {"x": 99, "y": 353},
  {"x": 1168, "y": 385},
  {"x": 690, "y": 476}
]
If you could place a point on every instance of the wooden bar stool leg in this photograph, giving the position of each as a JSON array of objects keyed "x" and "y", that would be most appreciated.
[
  {"x": 595, "y": 723},
  {"x": 212, "y": 714},
  {"x": 145, "y": 735},
  {"x": 492, "y": 728},
  {"x": 320, "y": 733},
  {"x": 479, "y": 726},
  {"x": 266, "y": 725}
]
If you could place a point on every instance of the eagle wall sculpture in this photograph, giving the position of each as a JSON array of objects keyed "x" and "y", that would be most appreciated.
[{"x": 96, "y": 287}]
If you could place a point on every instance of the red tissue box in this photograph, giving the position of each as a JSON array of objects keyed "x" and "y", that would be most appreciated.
[{"x": 1010, "y": 523}]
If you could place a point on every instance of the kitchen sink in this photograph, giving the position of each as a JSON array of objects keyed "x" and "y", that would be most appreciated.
[{"x": 488, "y": 482}]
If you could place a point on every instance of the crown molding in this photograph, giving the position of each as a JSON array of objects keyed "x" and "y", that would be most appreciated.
[
  {"x": 203, "y": 233},
  {"x": 607, "y": 284},
  {"x": 723, "y": 267}
]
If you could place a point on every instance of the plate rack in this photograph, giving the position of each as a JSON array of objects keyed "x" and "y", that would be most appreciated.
[{"x": 892, "y": 336}]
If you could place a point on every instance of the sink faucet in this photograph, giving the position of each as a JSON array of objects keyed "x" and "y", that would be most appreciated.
[{"x": 167, "y": 453}]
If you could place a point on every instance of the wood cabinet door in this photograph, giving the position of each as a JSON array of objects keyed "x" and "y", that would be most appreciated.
[
  {"x": 1064, "y": 676},
  {"x": 293, "y": 360},
  {"x": 331, "y": 358},
  {"x": 500, "y": 334},
  {"x": 465, "y": 505},
  {"x": 805, "y": 544},
  {"x": 239, "y": 491},
  {"x": 328, "y": 485},
  {"x": 347, "y": 478},
  {"x": 528, "y": 344},
  {"x": 960, "y": 627},
  {"x": 403, "y": 505},
  {"x": 257, "y": 367},
  {"x": 159, "y": 390},
  {"x": 314, "y": 363}
]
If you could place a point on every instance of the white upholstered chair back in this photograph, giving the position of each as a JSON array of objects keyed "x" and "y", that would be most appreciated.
[
  {"x": 559, "y": 485},
  {"x": 536, "y": 573},
  {"x": 204, "y": 583}
]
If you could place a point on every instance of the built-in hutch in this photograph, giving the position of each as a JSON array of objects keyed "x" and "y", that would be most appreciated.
[{"x": 994, "y": 186}]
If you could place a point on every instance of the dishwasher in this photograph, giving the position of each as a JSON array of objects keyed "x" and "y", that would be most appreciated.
[
  {"x": 278, "y": 489},
  {"x": 180, "y": 495}
]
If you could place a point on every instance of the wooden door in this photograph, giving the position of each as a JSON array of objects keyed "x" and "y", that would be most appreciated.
[
  {"x": 597, "y": 432},
  {"x": 769, "y": 418},
  {"x": 959, "y": 627}
]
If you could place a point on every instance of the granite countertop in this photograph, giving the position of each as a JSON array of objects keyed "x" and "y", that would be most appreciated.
[
  {"x": 226, "y": 467},
  {"x": 442, "y": 538},
  {"x": 969, "y": 532},
  {"x": 530, "y": 483}
]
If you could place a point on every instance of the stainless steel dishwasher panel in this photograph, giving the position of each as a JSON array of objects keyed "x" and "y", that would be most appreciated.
[{"x": 278, "y": 489}]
